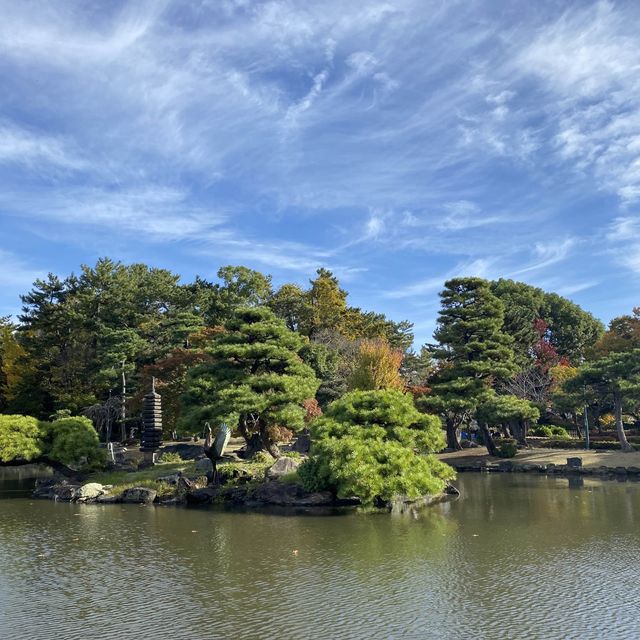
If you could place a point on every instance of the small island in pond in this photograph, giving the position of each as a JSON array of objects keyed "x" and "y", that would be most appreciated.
[{"x": 294, "y": 398}]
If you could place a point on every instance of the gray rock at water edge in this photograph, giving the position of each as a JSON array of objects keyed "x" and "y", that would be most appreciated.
[
  {"x": 205, "y": 495},
  {"x": 106, "y": 498},
  {"x": 89, "y": 491},
  {"x": 286, "y": 495},
  {"x": 634, "y": 471},
  {"x": 204, "y": 466},
  {"x": 281, "y": 467},
  {"x": 450, "y": 490},
  {"x": 574, "y": 463},
  {"x": 620, "y": 471},
  {"x": 55, "y": 489},
  {"x": 139, "y": 495}
]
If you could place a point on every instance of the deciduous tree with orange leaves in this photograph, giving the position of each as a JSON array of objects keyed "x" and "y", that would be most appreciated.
[{"x": 377, "y": 367}]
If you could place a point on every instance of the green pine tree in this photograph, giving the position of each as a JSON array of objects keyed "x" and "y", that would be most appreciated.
[
  {"x": 255, "y": 379},
  {"x": 473, "y": 353}
]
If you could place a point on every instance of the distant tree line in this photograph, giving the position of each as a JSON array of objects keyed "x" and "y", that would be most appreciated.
[{"x": 504, "y": 353}]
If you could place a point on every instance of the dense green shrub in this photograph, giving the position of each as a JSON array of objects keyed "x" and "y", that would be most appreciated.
[
  {"x": 541, "y": 431},
  {"x": 20, "y": 438},
  {"x": 71, "y": 441},
  {"x": 550, "y": 431},
  {"x": 375, "y": 445},
  {"x": 170, "y": 457},
  {"x": 560, "y": 433},
  {"x": 506, "y": 448},
  {"x": 74, "y": 442}
]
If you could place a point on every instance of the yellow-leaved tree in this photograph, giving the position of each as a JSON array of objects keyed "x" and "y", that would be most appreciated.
[{"x": 377, "y": 367}]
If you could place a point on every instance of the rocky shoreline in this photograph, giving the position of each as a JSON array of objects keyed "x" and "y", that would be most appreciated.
[
  {"x": 569, "y": 469},
  {"x": 238, "y": 491}
]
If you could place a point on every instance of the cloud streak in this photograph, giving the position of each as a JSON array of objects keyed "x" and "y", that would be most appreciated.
[{"x": 399, "y": 143}]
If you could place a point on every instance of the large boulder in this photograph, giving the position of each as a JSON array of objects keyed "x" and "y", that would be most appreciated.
[
  {"x": 281, "y": 467},
  {"x": 89, "y": 491},
  {"x": 288, "y": 495},
  {"x": 107, "y": 498},
  {"x": 56, "y": 489},
  {"x": 139, "y": 495},
  {"x": 206, "y": 495}
]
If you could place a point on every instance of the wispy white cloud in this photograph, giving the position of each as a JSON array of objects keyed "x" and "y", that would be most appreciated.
[
  {"x": 435, "y": 138},
  {"x": 481, "y": 268},
  {"x": 547, "y": 254},
  {"x": 155, "y": 213},
  {"x": 623, "y": 240},
  {"x": 42, "y": 152},
  {"x": 589, "y": 60},
  {"x": 15, "y": 272}
]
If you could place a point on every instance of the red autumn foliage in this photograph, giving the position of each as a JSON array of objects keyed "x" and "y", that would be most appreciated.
[
  {"x": 313, "y": 410},
  {"x": 544, "y": 352}
]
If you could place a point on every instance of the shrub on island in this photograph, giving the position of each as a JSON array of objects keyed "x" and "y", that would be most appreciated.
[
  {"x": 376, "y": 445},
  {"x": 72, "y": 442}
]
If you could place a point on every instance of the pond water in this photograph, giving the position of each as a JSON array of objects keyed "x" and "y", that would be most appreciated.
[{"x": 518, "y": 556}]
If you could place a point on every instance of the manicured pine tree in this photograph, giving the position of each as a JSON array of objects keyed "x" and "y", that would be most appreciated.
[
  {"x": 254, "y": 379},
  {"x": 614, "y": 377},
  {"x": 473, "y": 353}
]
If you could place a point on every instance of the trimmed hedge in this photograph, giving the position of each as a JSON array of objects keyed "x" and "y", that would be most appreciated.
[{"x": 606, "y": 445}]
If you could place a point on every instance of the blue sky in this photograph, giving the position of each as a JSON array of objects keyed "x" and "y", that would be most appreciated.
[{"x": 396, "y": 143}]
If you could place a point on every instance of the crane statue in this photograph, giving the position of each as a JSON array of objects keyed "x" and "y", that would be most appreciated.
[{"x": 214, "y": 447}]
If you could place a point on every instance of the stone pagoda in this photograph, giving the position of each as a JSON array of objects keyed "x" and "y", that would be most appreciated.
[{"x": 151, "y": 439}]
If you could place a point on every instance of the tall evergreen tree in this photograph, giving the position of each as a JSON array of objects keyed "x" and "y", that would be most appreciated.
[
  {"x": 254, "y": 379},
  {"x": 472, "y": 350}
]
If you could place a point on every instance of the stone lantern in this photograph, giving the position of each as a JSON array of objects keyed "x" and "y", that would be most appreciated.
[{"x": 151, "y": 439}]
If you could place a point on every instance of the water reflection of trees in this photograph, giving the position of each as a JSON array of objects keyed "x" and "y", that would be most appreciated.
[{"x": 212, "y": 573}]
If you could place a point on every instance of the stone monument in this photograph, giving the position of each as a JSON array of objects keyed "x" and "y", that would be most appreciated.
[{"x": 151, "y": 439}]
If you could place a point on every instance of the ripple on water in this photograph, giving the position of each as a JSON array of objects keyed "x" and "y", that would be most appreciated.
[{"x": 523, "y": 560}]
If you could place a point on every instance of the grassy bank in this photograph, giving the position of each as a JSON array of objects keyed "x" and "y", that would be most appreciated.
[{"x": 152, "y": 478}]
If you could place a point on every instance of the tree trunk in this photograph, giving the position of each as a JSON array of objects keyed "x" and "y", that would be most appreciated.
[
  {"x": 622, "y": 437},
  {"x": 488, "y": 440},
  {"x": 242, "y": 427},
  {"x": 596, "y": 419},
  {"x": 577, "y": 425},
  {"x": 267, "y": 442},
  {"x": 452, "y": 436},
  {"x": 519, "y": 430}
]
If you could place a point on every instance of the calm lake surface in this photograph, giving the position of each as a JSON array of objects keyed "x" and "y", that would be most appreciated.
[{"x": 517, "y": 556}]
